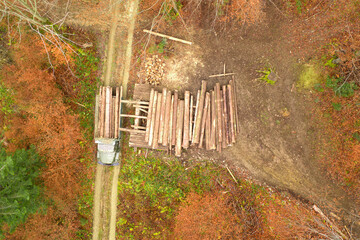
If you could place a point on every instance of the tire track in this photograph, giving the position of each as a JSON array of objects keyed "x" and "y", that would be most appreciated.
[{"x": 116, "y": 57}]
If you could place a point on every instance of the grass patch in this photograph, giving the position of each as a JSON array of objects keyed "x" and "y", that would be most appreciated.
[
  {"x": 7, "y": 100},
  {"x": 86, "y": 70},
  {"x": 309, "y": 77},
  {"x": 151, "y": 189},
  {"x": 158, "y": 48},
  {"x": 164, "y": 199},
  {"x": 153, "y": 192},
  {"x": 266, "y": 75}
]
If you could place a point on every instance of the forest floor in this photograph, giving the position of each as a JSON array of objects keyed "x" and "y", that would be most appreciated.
[
  {"x": 278, "y": 138},
  {"x": 278, "y": 144}
]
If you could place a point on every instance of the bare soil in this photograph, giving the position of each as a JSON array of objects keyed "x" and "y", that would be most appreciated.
[{"x": 277, "y": 139}]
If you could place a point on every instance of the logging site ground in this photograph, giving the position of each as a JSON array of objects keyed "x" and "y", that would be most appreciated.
[{"x": 293, "y": 173}]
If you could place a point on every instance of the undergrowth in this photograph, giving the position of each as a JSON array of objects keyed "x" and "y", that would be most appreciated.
[
  {"x": 265, "y": 73},
  {"x": 161, "y": 198},
  {"x": 50, "y": 113},
  {"x": 334, "y": 30},
  {"x": 154, "y": 188},
  {"x": 86, "y": 69},
  {"x": 6, "y": 99}
]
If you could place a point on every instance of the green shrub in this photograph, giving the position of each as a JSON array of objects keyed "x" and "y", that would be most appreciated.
[
  {"x": 19, "y": 186},
  {"x": 337, "y": 106},
  {"x": 170, "y": 11},
  {"x": 265, "y": 76},
  {"x": 340, "y": 87},
  {"x": 6, "y": 100},
  {"x": 86, "y": 69},
  {"x": 151, "y": 189}
]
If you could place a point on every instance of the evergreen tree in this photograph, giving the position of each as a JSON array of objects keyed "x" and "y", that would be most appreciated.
[{"x": 19, "y": 188}]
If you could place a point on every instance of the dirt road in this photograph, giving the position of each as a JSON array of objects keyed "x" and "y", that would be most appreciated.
[{"x": 116, "y": 71}]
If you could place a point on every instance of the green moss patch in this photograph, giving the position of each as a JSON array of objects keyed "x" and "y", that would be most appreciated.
[{"x": 309, "y": 77}]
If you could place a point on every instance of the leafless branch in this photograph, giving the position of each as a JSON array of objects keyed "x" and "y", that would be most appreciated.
[{"x": 34, "y": 13}]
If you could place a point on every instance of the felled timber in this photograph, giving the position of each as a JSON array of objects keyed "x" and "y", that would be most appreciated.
[{"x": 162, "y": 120}]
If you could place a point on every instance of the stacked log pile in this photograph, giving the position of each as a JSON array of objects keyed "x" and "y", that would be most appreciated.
[
  {"x": 109, "y": 109},
  {"x": 154, "y": 70},
  {"x": 208, "y": 121}
]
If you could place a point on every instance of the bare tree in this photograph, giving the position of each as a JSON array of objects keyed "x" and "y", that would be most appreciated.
[{"x": 39, "y": 16}]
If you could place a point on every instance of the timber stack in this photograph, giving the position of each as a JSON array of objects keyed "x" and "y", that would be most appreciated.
[
  {"x": 208, "y": 120},
  {"x": 109, "y": 111}
]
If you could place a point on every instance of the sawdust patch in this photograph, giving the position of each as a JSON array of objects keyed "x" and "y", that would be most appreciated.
[{"x": 182, "y": 66}]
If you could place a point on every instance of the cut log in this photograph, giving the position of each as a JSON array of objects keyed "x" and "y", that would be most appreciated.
[
  {"x": 133, "y": 116},
  {"x": 162, "y": 116},
  {"x": 226, "y": 125},
  {"x": 137, "y": 113},
  {"x": 140, "y": 106},
  {"x": 153, "y": 116},
  {"x": 223, "y": 143},
  {"x": 236, "y": 107},
  {"x": 103, "y": 109},
  {"x": 138, "y": 127},
  {"x": 191, "y": 117},
  {"x": 96, "y": 116},
  {"x": 148, "y": 120},
  {"x": 171, "y": 122},
  {"x": 167, "y": 36},
  {"x": 157, "y": 121},
  {"x": 167, "y": 119},
  {"x": 213, "y": 122},
  {"x": 131, "y": 130},
  {"x": 142, "y": 110},
  {"x": 135, "y": 102},
  {"x": 203, "y": 122},
  {"x": 117, "y": 117},
  {"x": 197, "y": 128},
  {"x": 232, "y": 83},
  {"x": 176, "y": 96},
  {"x": 185, "y": 143},
  {"x": 219, "y": 115},
  {"x": 196, "y": 110},
  {"x": 113, "y": 125},
  {"x": 98, "y": 120},
  {"x": 208, "y": 126},
  {"x": 231, "y": 112},
  {"x": 120, "y": 109},
  {"x": 233, "y": 103},
  {"x": 107, "y": 112},
  {"x": 179, "y": 128},
  {"x": 221, "y": 75}
]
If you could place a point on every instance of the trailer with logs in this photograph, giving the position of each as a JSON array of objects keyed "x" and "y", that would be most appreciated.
[{"x": 160, "y": 120}]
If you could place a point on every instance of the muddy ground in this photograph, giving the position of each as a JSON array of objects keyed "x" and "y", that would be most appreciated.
[{"x": 277, "y": 139}]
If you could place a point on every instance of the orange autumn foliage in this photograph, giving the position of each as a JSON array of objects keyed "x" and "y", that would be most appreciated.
[
  {"x": 289, "y": 219},
  {"x": 242, "y": 11},
  {"x": 330, "y": 30},
  {"x": 43, "y": 119},
  {"x": 207, "y": 217},
  {"x": 55, "y": 224},
  {"x": 316, "y": 23},
  {"x": 239, "y": 214},
  {"x": 340, "y": 153}
]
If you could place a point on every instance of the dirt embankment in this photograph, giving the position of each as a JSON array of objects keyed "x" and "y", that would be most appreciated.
[{"x": 277, "y": 138}]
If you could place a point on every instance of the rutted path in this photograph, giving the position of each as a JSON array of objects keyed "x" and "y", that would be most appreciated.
[{"x": 116, "y": 71}]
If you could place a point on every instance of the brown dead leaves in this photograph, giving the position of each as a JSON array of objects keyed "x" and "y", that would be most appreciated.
[{"x": 42, "y": 118}]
